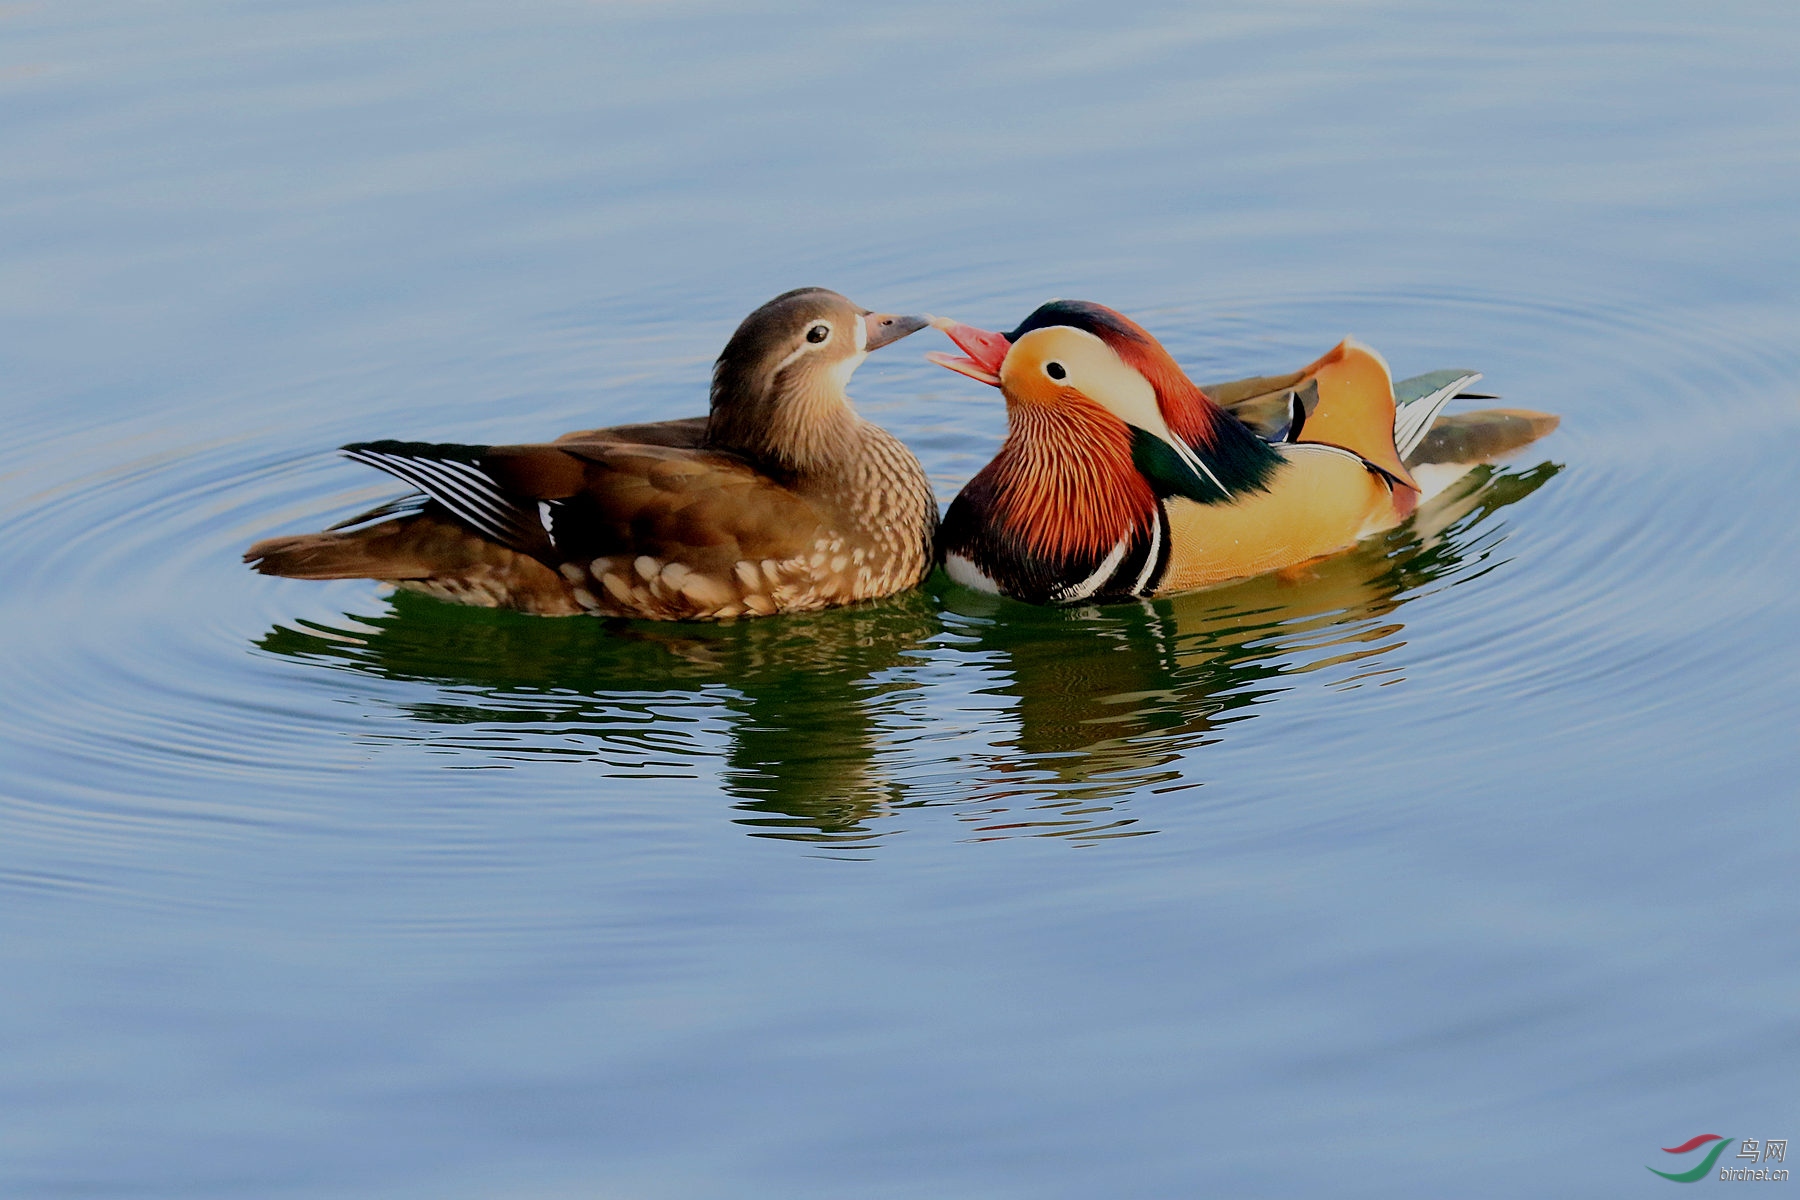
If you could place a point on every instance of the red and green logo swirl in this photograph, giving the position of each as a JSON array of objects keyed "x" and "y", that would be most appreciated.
[{"x": 1693, "y": 1143}]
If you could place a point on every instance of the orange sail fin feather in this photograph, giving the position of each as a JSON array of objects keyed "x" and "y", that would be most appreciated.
[
  {"x": 1355, "y": 410},
  {"x": 1225, "y": 502}
]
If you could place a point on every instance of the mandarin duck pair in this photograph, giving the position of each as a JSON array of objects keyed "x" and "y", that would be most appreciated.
[{"x": 1118, "y": 478}]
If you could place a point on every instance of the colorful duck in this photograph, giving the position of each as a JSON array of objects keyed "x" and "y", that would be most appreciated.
[
  {"x": 1120, "y": 477},
  {"x": 781, "y": 500}
]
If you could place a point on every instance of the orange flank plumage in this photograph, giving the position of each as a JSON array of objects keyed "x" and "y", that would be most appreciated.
[
  {"x": 1120, "y": 477},
  {"x": 1322, "y": 502}
]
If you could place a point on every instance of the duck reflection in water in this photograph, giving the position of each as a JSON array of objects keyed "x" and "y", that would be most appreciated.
[
  {"x": 828, "y": 726},
  {"x": 1109, "y": 700},
  {"x": 802, "y": 699}
]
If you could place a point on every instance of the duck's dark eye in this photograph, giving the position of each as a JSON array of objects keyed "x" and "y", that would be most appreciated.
[
  {"x": 818, "y": 333},
  {"x": 1055, "y": 370}
]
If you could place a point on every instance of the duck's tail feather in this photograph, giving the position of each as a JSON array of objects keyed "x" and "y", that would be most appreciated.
[
  {"x": 395, "y": 550},
  {"x": 430, "y": 552},
  {"x": 399, "y": 506},
  {"x": 1481, "y": 436}
]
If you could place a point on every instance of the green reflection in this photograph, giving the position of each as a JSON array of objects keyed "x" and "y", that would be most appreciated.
[
  {"x": 1110, "y": 701},
  {"x": 798, "y": 695},
  {"x": 826, "y": 726}
]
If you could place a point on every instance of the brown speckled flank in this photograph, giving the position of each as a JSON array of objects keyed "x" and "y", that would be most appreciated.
[
  {"x": 866, "y": 535},
  {"x": 782, "y": 499}
]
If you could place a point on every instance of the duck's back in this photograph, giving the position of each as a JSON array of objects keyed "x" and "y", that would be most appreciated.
[{"x": 683, "y": 433}]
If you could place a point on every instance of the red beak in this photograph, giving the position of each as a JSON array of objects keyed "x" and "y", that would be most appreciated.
[{"x": 986, "y": 351}]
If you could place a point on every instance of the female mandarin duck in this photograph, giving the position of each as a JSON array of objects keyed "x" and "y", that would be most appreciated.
[
  {"x": 1119, "y": 477},
  {"x": 781, "y": 500}
]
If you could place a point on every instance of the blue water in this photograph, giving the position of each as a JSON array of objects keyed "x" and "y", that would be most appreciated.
[{"x": 1463, "y": 866}]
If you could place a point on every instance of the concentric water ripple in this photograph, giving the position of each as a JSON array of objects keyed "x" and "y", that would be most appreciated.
[
  {"x": 1457, "y": 864},
  {"x": 852, "y": 726}
]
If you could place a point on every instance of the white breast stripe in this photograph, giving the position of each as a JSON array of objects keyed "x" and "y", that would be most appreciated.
[
  {"x": 1102, "y": 573},
  {"x": 968, "y": 574},
  {"x": 1156, "y": 537}
]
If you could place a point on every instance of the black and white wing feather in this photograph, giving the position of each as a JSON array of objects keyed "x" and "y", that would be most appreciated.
[
  {"x": 454, "y": 476},
  {"x": 1419, "y": 400}
]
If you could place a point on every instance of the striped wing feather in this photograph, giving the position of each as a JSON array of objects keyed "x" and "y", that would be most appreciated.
[
  {"x": 581, "y": 499},
  {"x": 1419, "y": 400}
]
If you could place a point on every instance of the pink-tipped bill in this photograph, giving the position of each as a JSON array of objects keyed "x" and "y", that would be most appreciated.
[{"x": 986, "y": 351}]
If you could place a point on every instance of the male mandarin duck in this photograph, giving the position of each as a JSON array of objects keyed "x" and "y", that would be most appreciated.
[
  {"x": 1119, "y": 477},
  {"x": 781, "y": 500}
]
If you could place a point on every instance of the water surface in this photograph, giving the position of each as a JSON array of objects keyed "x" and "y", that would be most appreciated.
[{"x": 1459, "y": 864}]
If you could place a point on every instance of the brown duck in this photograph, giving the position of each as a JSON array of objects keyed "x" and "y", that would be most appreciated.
[{"x": 781, "y": 500}]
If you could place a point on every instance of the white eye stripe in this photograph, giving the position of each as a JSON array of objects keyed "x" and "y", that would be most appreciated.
[
  {"x": 783, "y": 364},
  {"x": 805, "y": 347},
  {"x": 1111, "y": 382}
]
